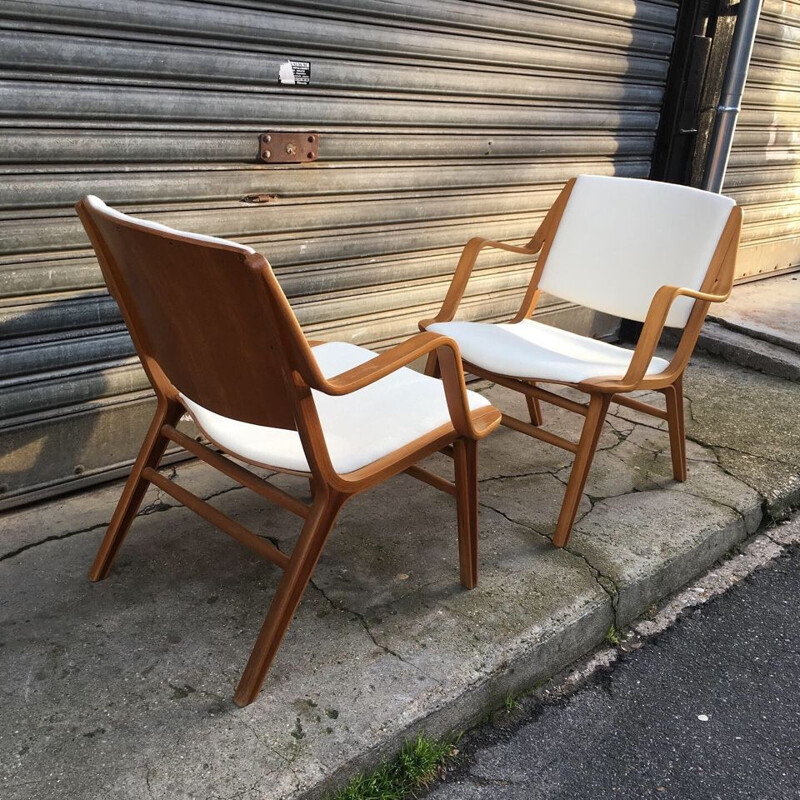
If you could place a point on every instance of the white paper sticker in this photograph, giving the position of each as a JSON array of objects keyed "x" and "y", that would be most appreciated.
[{"x": 295, "y": 73}]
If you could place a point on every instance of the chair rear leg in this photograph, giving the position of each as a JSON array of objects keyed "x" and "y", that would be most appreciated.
[
  {"x": 432, "y": 366},
  {"x": 677, "y": 428},
  {"x": 534, "y": 409},
  {"x": 290, "y": 591},
  {"x": 150, "y": 454},
  {"x": 590, "y": 435},
  {"x": 465, "y": 452}
]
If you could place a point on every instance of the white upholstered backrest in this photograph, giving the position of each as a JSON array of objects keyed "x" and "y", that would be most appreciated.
[
  {"x": 97, "y": 204},
  {"x": 621, "y": 239}
]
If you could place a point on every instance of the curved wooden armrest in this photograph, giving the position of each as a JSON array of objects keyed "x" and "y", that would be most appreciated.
[
  {"x": 466, "y": 264},
  {"x": 652, "y": 329},
  {"x": 403, "y": 354}
]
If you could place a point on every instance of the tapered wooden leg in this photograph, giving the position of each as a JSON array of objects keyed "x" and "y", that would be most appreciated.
[
  {"x": 534, "y": 409},
  {"x": 150, "y": 454},
  {"x": 590, "y": 435},
  {"x": 432, "y": 366},
  {"x": 677, "y": 428},
  {"x": 465, "y": 452},
  {"x": 290, "y": 591}
]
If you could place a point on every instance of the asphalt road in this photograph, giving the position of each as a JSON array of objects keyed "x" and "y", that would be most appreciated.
[{"x": 709, "y": 709}]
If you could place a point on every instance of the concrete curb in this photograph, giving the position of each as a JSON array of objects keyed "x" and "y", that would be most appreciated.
[
  {"x": 771, "y": 357},
  {"x": 527, "y": 666},
  {"x": 734, "y": 344},
  {"x": 612, "y": 724},
  {"x": 532, "y": 662},
  {"x": 753, "y": 332}
]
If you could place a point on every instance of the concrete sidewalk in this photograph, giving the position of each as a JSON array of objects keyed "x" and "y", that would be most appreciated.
[{"x": 123, "y": 689}]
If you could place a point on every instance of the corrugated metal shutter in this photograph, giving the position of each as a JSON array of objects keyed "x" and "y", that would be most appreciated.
[
  {"x": 764, "y": 169},
  {"x": 438, "y": 120}
]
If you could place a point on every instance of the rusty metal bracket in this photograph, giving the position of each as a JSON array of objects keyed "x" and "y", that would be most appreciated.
[{"x": 287, "y": 147}]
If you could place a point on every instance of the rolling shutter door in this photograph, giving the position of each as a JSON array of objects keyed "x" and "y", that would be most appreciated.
[
  {"x": 764, "y": 168},
  {"x": 437, "y": 120}
]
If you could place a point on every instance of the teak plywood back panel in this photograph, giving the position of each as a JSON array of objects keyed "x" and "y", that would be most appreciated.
[{"x": 203, "y": 316}]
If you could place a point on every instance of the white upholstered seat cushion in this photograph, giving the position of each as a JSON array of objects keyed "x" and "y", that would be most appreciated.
[
  {"x": 529, "y": 349},
  {"x": 359, "y": 428}
]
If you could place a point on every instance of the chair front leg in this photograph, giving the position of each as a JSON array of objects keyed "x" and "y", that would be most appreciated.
[
  {"x": 590, "y": 435},
  {"x": 677, "y": 428},
  {"x": 465, "y": 459},
  {"x": 153, "y": 447},
  {"x": 432, "y": 365},
  {"x": 307, "y": 551}
]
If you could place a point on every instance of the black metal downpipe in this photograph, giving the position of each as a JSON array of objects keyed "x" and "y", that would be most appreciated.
[{"x": 730, "y": 101}]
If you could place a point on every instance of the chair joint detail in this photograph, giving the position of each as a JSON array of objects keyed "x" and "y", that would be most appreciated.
[
  {"x": 638, "y": 405},
  {"x": 539, "y": 433},
  {"x": 431, "y": 479}
]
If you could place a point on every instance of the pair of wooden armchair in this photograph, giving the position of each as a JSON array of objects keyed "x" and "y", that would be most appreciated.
[{"x": 217, "y": 339}]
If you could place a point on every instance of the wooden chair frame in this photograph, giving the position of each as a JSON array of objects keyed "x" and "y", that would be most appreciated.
[
  {"x": 716, "y": 288},
  {"x": 300, "y": 374}
]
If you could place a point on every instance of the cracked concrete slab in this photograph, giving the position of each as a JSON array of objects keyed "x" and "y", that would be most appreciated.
[
  {"x": 649, "y": 543},
  {"x": 751, "y": 421},
  {"x": 123, "y": 689}
]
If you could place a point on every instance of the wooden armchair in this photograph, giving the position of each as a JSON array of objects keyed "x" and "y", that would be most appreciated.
[
  {"x": 653, "y": 252},
  {"x": 218, "y": 339}
]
